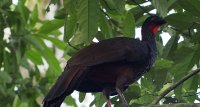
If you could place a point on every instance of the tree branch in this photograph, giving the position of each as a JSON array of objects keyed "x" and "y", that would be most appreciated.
[
  {"x": 175, "y": 105},
  {"x": 163, "y": 94}
]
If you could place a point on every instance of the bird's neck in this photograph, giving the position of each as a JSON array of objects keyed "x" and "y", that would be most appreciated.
[
  {"x": 148, "y": 33},
  {"x": 148, "y": 36}
]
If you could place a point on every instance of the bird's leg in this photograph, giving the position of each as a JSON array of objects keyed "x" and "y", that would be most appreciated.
[
  {"x": 106, "y": 92},
  {"x": 108, "y": 102},
  {"x": 122, "y": 98},
  {"x": 121, "y": 82}
]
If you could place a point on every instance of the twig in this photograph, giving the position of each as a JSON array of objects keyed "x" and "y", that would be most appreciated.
[
  {"x": 191, "y": 94},
  {"x": 178, "y": 30},
  {"x": 163, "y": 94},
  {"x": 107, "y": 5},
  {"x": 72, "y": 46},
  {"x": 175, "y": 105},
  {"x": 184, "y": 33},
  {"x": 189, "y": 29},
  {"x": 110, "y": 20},
  {"x": 141, "y": 7}
]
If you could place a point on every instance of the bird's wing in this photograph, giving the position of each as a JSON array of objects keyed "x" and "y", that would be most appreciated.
[
  {"x": 111, "y": 50},
  {"x": 106, "y": 51}
]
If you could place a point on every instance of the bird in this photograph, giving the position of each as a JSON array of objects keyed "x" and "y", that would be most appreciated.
[{"x": 108, "y": 66}]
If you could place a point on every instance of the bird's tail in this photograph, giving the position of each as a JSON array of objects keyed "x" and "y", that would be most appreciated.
[
  {"x": 64, "y": 86},
  {"x": 54, "y": 103}
]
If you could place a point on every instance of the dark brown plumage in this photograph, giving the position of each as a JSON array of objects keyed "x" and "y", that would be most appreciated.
[{"x": 109, "y": 66}]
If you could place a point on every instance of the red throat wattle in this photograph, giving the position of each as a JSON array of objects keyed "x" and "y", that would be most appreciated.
[{"x": 154, "y": 28}]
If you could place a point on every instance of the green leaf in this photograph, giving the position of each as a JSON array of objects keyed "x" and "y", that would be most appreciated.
[
  {"x": 191, "y": 84},
  {"x": 56, "y": 33},
  {"x": 60, "y": 14},
  {"x": 196, "y": 37},
  {"x": 49, "y": 26},
  {"x": 78, "y": 39},
  {"x": 120, "y": 5},
  {"x": 140, "y": 21},
  {"x": 133, "y": 92},
  {"x": 111, "y": 4},
  {"x": 1, "y": 47},
  {"x": 147, "y": 83},
  {"x": 165, "y": 86},
  {"x": 71, "y": 19},
  {"x": 16, "y": 102},
  {"x": 172, "y": 3},
  {"x": 159, "y": 47},
  {"x": 54, "y": 1},
  {"x": 34, "y": 56},
  {"x": 185, "y": 59},
  {"x": 191, "y": 6},
  {"x": 34, "y": 16},
  {"x": 70, "y": 27},
  {"x": 5, "y": 4},
  {"x": 10, "y": 62},
  {"x": 24, "y": 104},
  {"x": 81, "y": 96},
  {"x": 116, "y": 101},
  {"x": 23, "y": 10},
  {"x": 115, "y": 7},
  {"x": 145, "y": 99},
  {"x": 4, "y": 76},
  {"x": 70, "y": 7},
  {"x": 139, "y": 13},
  {"x": 163, "y": 63},
  {"x": 129, "y": 25},
  {"x": 159, "y": 72},
  {"x": 181, "y": 20},
  {"x": 46, "y": 53},
  {"x": 170, "y": 46},
  {"x": 178, "y": 92},
  {"x": 99, "y": 99},
  {"x": 87, "y": 19},
  {"x": 60, "y": 44},
  {"x": 105, "y": 26},
  {"x": 161, "y": 6},
  {"x": 70, "y": 101},
  {"x": 70, "y": 51}
]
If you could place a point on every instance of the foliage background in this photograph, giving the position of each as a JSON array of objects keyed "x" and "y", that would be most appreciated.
[{"x": 33, "y": 52}]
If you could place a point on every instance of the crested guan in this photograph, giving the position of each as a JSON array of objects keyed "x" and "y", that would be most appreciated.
[{"x": 108, "y": 66}]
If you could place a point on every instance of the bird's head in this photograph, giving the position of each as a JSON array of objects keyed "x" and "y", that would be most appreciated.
[
  {"x": 150, "y": 27},
  {"x": 154, "y": 22}
]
